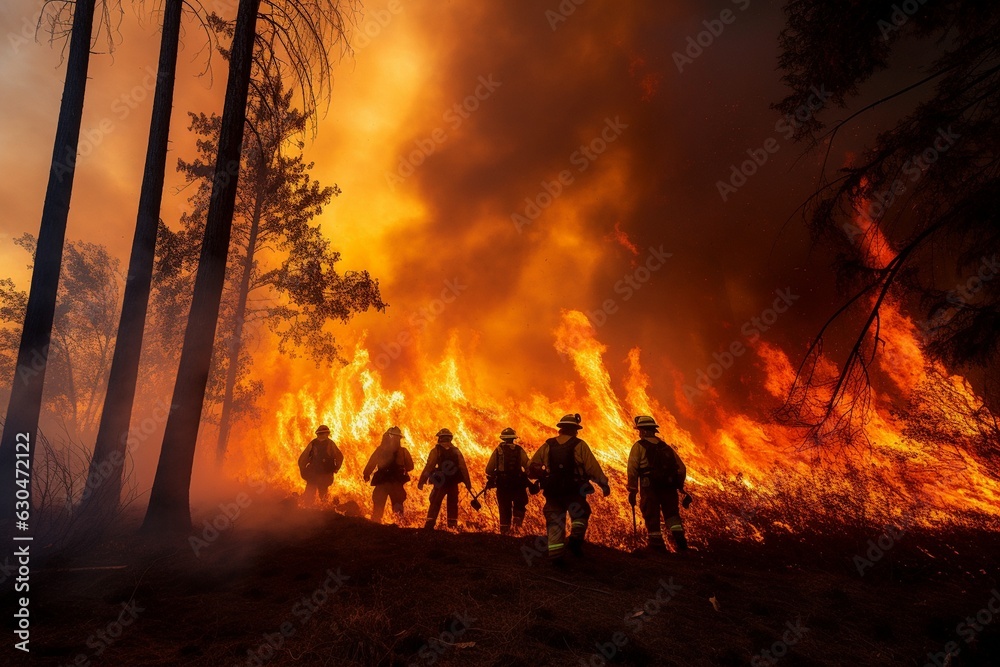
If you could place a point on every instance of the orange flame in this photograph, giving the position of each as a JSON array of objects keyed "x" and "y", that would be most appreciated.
[{"x": 357, "y": 406}]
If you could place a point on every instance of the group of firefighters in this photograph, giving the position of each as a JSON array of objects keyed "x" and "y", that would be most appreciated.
[{"x": 564, "y": 468}]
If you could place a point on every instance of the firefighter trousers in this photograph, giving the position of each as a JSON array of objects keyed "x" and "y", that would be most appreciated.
[
  {"x": 392, "y": 491},
  {"x": 556, "y": 509},
  {"x": 317, "y": 485},
  {"x": 512, "y": 501},
  {"x": 654, "y": 503},
  {"x": 437, "y": 495}
]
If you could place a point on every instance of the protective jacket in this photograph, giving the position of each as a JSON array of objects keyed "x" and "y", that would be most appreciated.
[
  {"x": 445, "y": 467},
  {"x": 652, "y": 462},
  {"x": 582, "y": 466},
  {"x": 508, "y": 466},
  {"x": 389, "y": 466},
  {"x": 320, "y": 460}
]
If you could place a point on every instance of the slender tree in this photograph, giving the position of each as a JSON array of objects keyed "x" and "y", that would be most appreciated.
[
  {"x": 107, "y": 465},
  {"x": 83, "y": 333},
  {"x": 303, "y": 33},
  {"x": 169, "y": 509},
  {"x": 25, "y": 402},
  {"x": 275, "y": 204}
]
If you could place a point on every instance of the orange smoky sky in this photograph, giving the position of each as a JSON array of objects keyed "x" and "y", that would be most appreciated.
[{"x": 500, "y": 162}]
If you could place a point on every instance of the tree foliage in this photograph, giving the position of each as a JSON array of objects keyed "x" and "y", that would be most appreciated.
[
  {"x": 301, "y": 34},
  {"x": 293, "y": 290},
  {"x": 295, "y": 40},
  {"x": 913, "y": 219},
  {"x": 83, "y": 333}
]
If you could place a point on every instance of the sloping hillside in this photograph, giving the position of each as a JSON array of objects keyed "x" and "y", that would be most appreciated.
[{"x": 286, "y": 586}]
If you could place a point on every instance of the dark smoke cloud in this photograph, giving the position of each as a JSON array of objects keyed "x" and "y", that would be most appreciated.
[
  {"x": 656, "y": 182},
  {"x": 610, "y": 61}
]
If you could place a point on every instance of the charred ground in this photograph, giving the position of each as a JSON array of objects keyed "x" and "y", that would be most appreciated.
[{"x": 387, "y": 596}]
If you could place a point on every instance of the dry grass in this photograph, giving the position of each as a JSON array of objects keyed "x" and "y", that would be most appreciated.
[{"x": 407, "y": 587}]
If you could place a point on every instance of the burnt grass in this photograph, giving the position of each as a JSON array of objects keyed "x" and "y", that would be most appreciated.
[{"x": 400, "y": 596}]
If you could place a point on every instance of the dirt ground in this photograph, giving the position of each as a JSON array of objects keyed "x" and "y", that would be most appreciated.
[{"x": 285, "y": 585}]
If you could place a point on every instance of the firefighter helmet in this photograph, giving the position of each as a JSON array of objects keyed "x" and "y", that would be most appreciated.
[
  {"x": 646, "y": 422},
  {"x": 444, "y": 434},
  {"x": 323, "y": 429},
  {"x": 394, "y": 430},
  {"x": 508, "y": 434},
  {"x": 571, "y": 421}
]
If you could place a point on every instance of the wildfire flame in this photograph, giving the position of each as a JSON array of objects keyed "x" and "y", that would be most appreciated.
[
  {"x": 753, "y": 458},
  {"x": 742, "y": 448}
]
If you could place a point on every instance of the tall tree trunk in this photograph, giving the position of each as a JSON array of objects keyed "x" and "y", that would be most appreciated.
[
  {"x": 225, "y": 421},
  {"x": 104, "y": 480},
  {"x": 25, "y": 402},
  {"x": 169, "y": 501}
]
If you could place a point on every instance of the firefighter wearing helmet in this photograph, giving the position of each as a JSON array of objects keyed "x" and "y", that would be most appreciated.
[
  {"x": 446, "y": 470},
  {"x": 506, "y": 471},
  {"x": 565, "y": 466},
  {"x": 318, "y": 463},
  {"x": 388, "y": 469},
  {"x": 656, "y": 473}
]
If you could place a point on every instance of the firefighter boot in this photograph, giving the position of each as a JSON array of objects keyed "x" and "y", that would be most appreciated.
[
  {"x": 677, "y": 533},
  {"x": 575, "y": 541},
  {"x": 680, "y": 542},
  {"x": 575, "y": 545},
  {"x": 656, "y": 542}
]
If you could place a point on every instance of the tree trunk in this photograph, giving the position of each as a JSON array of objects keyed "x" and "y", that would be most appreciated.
[
  {"x": 104, "y": 480},
  {"x": 169, "y": 502},
  {"x": 225, "y": 421},
  {"x": 29, "y": 378}
]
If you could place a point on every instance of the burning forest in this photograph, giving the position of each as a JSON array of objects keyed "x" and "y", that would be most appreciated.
[
  {"x": 743, "y": 458},
  {"x": 524, "y": 333}
]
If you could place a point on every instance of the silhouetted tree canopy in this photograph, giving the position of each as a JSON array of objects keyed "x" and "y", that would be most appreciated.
[
  {"x": 281, "y": 275},
  {"x": 913, "y": 219}
]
